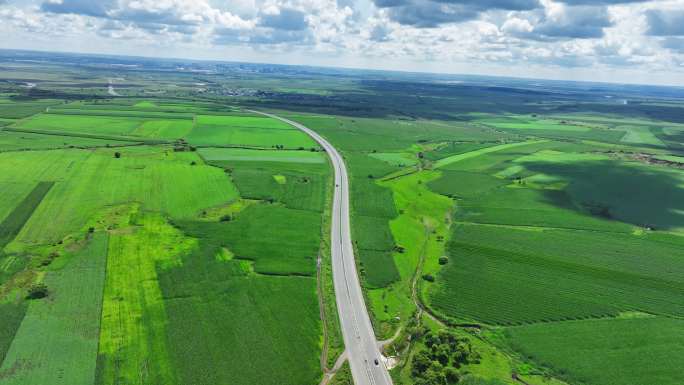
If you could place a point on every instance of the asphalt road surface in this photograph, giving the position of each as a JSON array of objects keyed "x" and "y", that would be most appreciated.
[{"x": 359, "y": 339}]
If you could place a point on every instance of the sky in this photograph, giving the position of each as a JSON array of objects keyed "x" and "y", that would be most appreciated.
[{"x": 627, "y": 41}]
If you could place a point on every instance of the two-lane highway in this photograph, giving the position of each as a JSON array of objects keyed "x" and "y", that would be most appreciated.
[{"x": 359, "y": 338}]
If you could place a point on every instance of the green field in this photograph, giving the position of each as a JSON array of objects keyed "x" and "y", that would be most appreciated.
[
  {"x": 82, "y": 124},
  {"x": 69, "y": 324},
  {"x": 636, "y": 351},
  {"x": 247, "y": 131},
  {"x": 245, "y": 155},
  {"x": 129, "y": 240},
  {"x": 506, "y": 231},
  {"x": 501, "y": 275}
]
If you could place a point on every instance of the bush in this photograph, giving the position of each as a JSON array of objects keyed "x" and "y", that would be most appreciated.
[
  {"x": 117, "y": 155},
  {"x": 37, "y": 291},
  {"x": 443, "y": 260},
  {"x": 429, "y": 277}
]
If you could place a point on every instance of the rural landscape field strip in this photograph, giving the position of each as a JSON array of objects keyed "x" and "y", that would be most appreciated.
[
  {"x": 605, "y": 352},
  {"x": 154, "y": 230},
  {"x": 360, "y": 342},
  {"x": 139, "y": 333},
  {"x": 13, "y": 223},
  {"x": 68, "y": 324}
]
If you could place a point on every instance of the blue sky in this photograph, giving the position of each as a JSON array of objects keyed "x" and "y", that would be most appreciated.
[{"x": 602, "y": 40}]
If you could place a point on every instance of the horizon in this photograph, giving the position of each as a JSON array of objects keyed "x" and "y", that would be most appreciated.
[
  {"x": 607, "y": 41},
  {"x": 359, "y": 69}
]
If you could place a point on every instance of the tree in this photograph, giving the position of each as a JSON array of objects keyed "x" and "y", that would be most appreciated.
[
  {"x": 451, "y": 375},
  {"x": 421, "y": 362},
  {"x": 37, "y": 291}
]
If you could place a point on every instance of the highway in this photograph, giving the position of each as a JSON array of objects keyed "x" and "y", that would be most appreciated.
[{"x": 359, "y": 338}]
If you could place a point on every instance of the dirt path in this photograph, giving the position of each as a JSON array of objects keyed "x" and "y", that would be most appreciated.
[{"x": 329, "y": 374}]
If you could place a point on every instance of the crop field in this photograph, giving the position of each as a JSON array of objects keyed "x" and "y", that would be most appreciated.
[
  {"x": 640, "y": 135},
  {"x": 68, "y": 324},
  {"x": 19, "y": 110},
  {"x": 24, "y": 141},
  {"x": 521, "y": 123},
  {"x": 15, "y": 220},
  {"x": 247, "y": 131},
  {"x": 606, "y": 352},
  {"x": 296, "y": 179},
  {"x": 246, "y": 155},
  {"x": 121, "y": 242},
  {"x": 506, "y": 231},
  {"x": 82, "y": 123},
  {"x": 499, "y": 276},
  {"x": 567, "y": 127},
  {"x": 164, "y": 129}
]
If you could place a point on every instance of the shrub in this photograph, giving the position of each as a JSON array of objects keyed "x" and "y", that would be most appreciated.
[
  {"x": 117, "y": 155},
  {"x": 443, "y": 260},
  {"x": 429, "y": 277},
  {"x": 37, "y": 291}
]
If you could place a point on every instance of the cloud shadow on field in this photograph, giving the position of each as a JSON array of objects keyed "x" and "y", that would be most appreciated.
[{"x": 630, "y": 193}]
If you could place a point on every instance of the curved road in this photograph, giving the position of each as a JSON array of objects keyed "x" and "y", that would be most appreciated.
[{"x": 359, "y": 339}]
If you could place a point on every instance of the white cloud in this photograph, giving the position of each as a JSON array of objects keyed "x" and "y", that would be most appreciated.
[{"x": 513, "y": 37}]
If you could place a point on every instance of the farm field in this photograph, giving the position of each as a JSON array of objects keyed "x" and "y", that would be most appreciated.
[
  {"x": 506, "y": 231},
  {"x": 532, "y": 236},
  {"x": 606, "y": 352},
  {"x": 108, "y": 245}
]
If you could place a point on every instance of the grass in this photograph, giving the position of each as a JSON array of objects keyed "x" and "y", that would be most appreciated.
[
  {"x": 13, "y": 223},
  {"x": 419, "y": 229},
  {"x": 606, "y": 352},
  {"x": 132, "y": 343},
  {"x": 241, "y": 154},
  {"x": 58, "y": 338}
]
